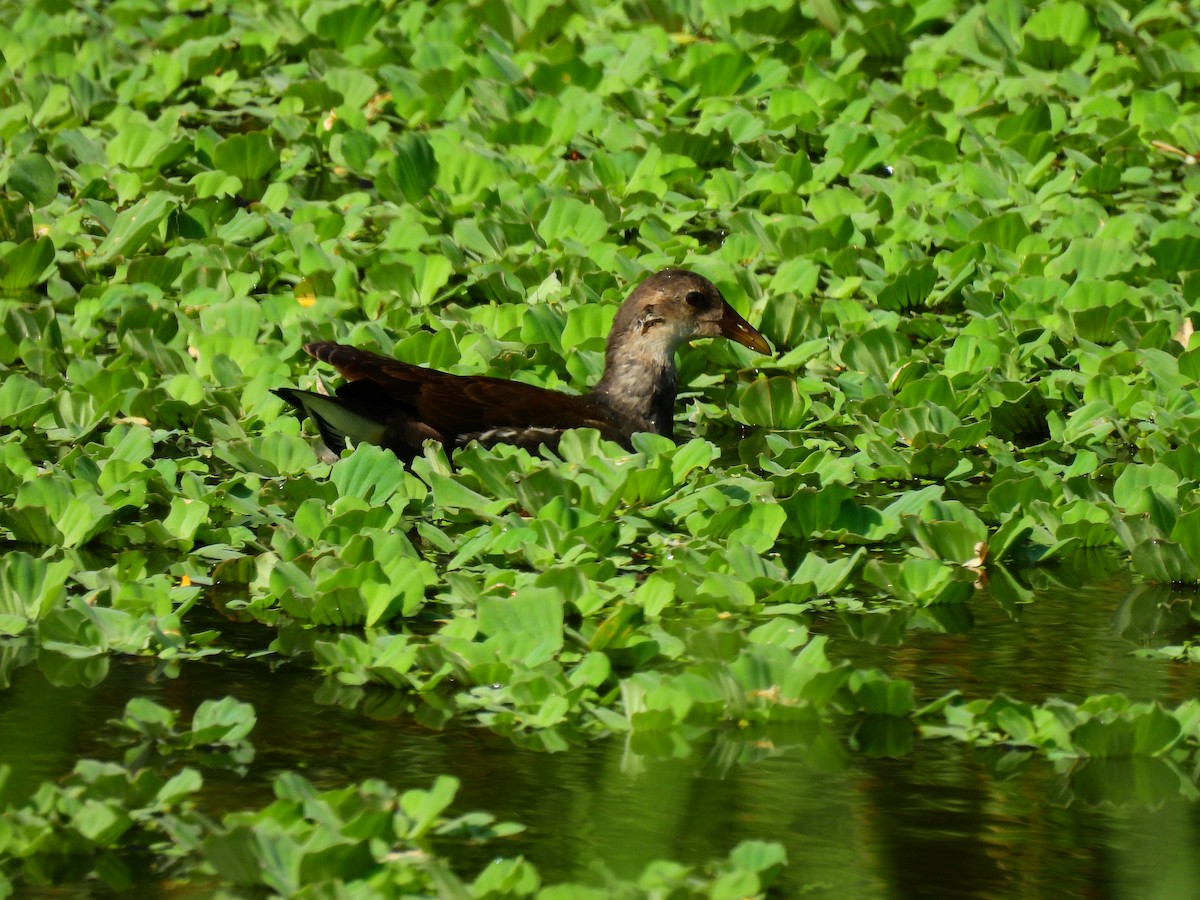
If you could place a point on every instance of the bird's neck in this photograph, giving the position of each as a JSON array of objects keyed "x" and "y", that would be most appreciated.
[{"x": 639, "y": 384}]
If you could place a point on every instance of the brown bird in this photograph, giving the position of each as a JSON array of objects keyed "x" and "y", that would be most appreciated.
[{"x": 400, "y": 406}]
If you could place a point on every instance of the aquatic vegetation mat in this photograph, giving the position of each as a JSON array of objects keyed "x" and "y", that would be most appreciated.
[{"x": 970, "y": 230}]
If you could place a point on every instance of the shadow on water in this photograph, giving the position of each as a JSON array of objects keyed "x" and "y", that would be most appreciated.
[{"x": 944, "y": 820}]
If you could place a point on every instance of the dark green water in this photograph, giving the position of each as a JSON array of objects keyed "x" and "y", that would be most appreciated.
[{"x": 943, "y": 820}]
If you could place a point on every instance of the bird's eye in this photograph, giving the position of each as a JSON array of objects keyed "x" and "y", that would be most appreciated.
[{"x": 698, "y": 300}]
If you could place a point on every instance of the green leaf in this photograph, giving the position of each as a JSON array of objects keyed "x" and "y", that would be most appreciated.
[
  {"x": 32, "y": 176},
  {"x": 909, "y": 290},
  {"x": 100, "y": 822},
  {"x": 420, "y": 809},
  {"x": 224, "y": 721},
  {"x": 721, "y": 74},
  {"x": 29, "y": 589},
  {"x": 1005, "y": 231},
  {"x": 921, "y": 582},
  {"x": 246, "y": 156},
  {"x": 1056, "y": 35},
  {"x": 1150, "y": 732},
  {"x": 136, "y": 145},
  {"x": 286, "y": 453},
  {"x": 180, "y": 787},
  {"x": 235, "y": 854},
  {"x": 348, "y": 25},
  {"x": 185, "y": 517},
  {"x": 1187, "y": 534},
  {"x": 1165, "y": 562},
  {"x": 27, "y": 264},
  {"x": 1152, "y": 490},
  {"x": 134, "y": 226},
  {"x": 22, "y": 400},
  {"x": 450, "y": 493},
  {"x": 569, "y": 219},
  {"x": 883, "y": 696},
  {"x": 160, "y": 271},
  {"x": 776, "y": 402},
  {"x": 876, "y": 352},
  {"x": 526, "y": 626},
  {"x": 431, "y": 273},
  {"x": 695, "y": 454},
  {"x": 1093, "y": 258},
  {"x": 412, "y": 171},
  {"x": 951, "y": 532},
  {"x": 369, "y": 473},
  {"x": 148, "y": 718}
]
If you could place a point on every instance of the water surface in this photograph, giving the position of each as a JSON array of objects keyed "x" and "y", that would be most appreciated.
[{"x": 942, "y": 820}]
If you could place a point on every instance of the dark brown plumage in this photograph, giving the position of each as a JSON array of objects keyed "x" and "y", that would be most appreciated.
[{"x": 400, "y": 406}]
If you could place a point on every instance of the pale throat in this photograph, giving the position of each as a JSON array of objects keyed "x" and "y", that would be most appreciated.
[{"x": 639, "y": 380}]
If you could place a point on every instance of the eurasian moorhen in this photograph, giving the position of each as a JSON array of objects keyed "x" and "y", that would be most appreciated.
[{"x": 400, "y": 406}]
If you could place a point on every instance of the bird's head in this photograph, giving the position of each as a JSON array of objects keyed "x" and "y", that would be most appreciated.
[{"x": 675, "y": 306}]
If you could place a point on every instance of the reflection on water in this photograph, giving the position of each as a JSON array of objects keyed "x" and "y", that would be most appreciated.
[
  {"x": 943, "y": 821},
  {"x": 1074, "y": 641}
]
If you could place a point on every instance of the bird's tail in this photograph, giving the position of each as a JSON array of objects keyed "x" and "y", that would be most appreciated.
[{"x": 334, "y": 419}]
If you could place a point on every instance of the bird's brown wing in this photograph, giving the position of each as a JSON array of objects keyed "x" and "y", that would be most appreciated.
[{"x": 416, "y": 403}]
